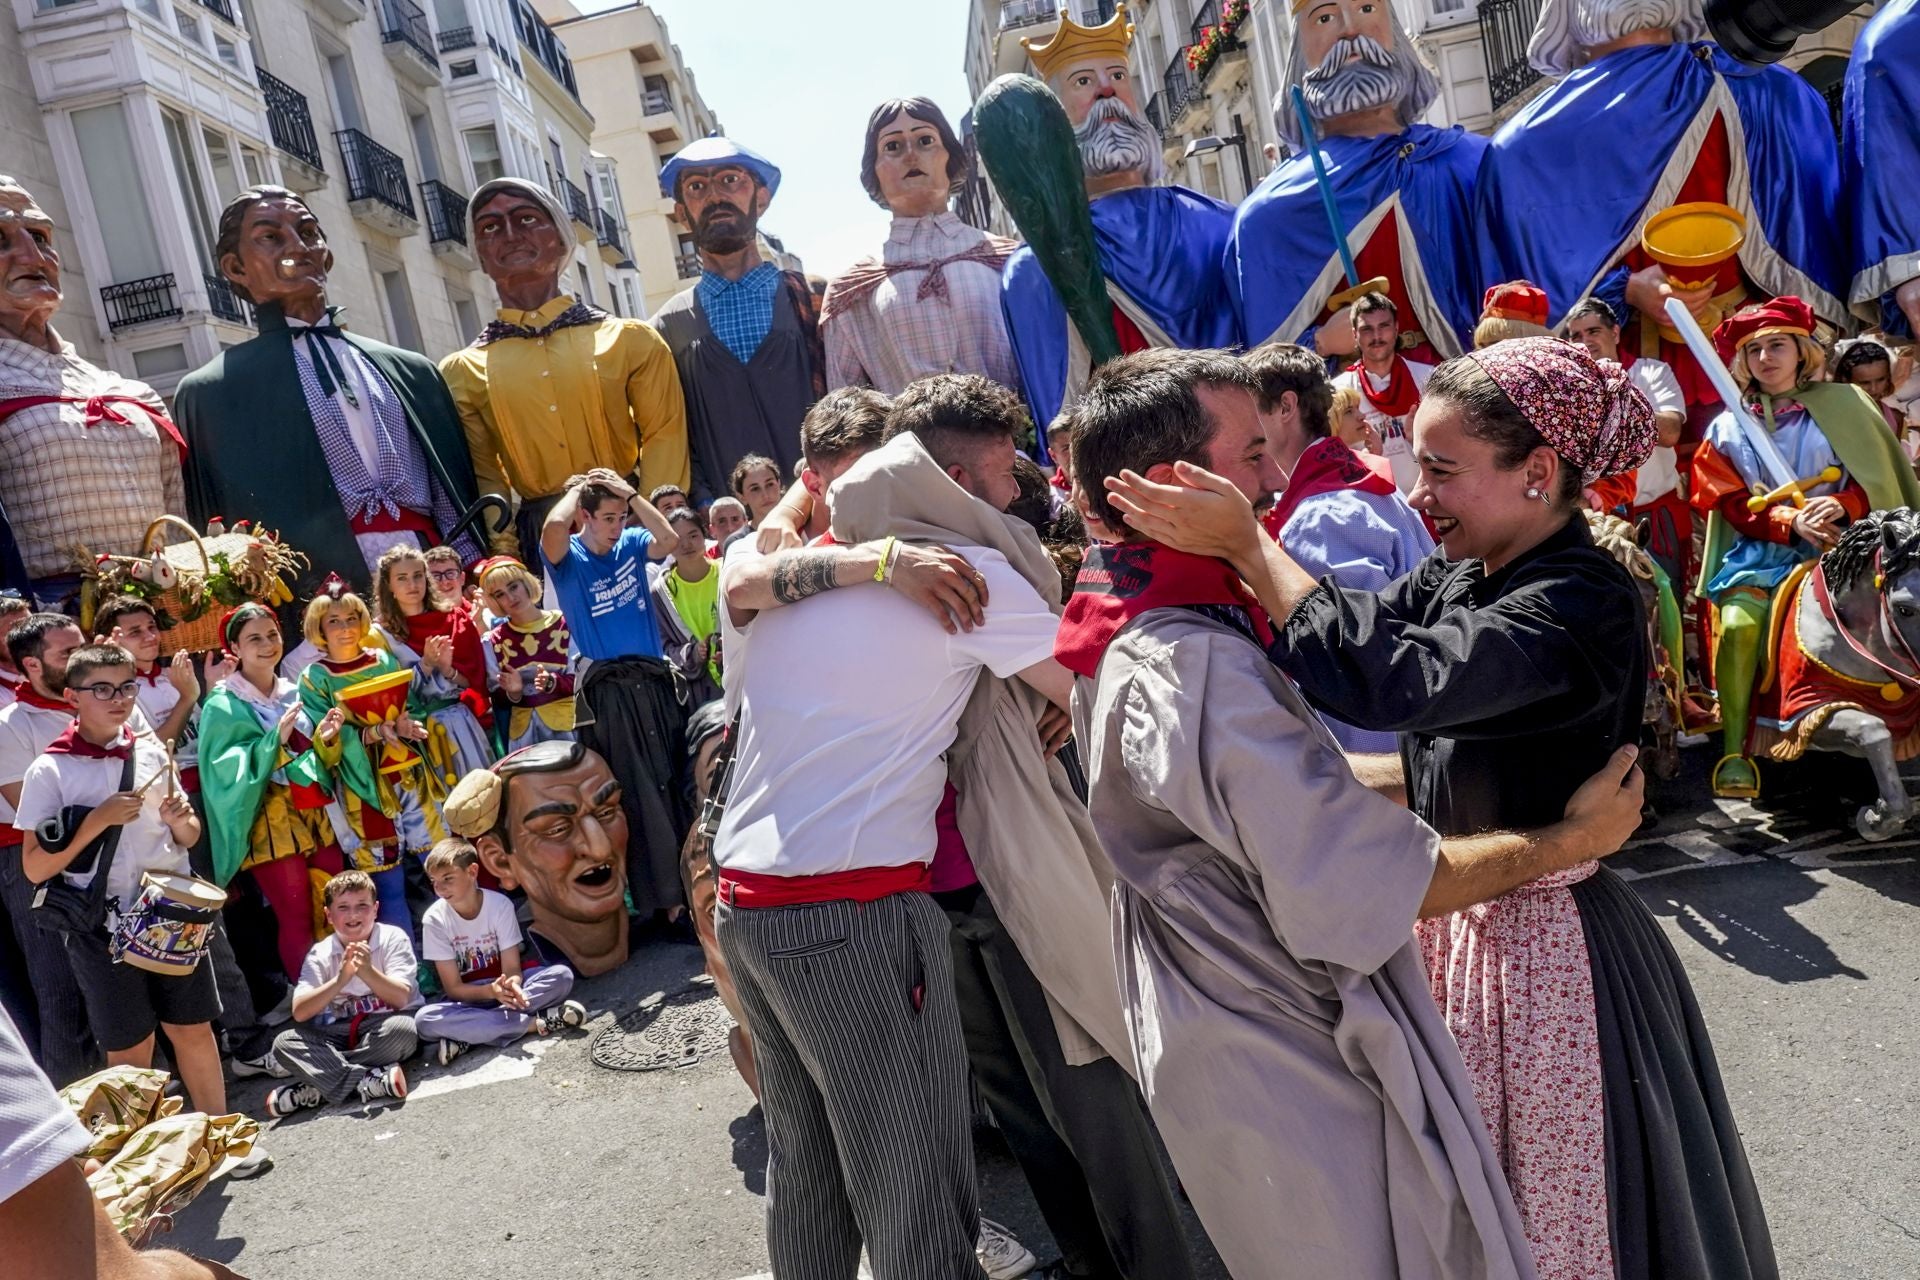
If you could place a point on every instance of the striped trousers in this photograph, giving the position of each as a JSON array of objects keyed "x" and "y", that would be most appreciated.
[
  {"x": 863, "y": 1077},
  {"x": 319, "y": 1054}
]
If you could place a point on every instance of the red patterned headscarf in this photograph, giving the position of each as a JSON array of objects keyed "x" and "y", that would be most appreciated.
[{"x": 1585, "y": 408}]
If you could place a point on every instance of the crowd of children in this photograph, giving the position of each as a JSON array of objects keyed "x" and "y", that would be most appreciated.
[{"x": 307, "y": 782}]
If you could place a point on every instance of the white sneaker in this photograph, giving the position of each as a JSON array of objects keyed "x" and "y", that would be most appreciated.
[
  {"x": 251, "y": 1165},
  {"x": 1001, "y": 1256},
  {"x": 383, "y": 1082},
  {"x": 289, "y": 1098},
  {"x": 267, "y": 1064},
  {"x": 445, "y": 1051}
]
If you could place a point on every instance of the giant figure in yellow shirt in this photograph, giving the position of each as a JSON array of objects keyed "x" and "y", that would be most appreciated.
[{"x": 553, "y": 387}]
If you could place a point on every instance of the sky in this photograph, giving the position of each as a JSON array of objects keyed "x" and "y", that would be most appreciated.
[{"x": 795, "y": 81}]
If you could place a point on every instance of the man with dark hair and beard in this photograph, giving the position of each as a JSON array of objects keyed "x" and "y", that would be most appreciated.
[
  {"x": 744, "y": 336},
  {"x": 1404, "y": 191},
  {"x": 1159, "y": 246}
]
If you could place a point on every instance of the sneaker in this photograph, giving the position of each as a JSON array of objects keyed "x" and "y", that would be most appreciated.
[
  {"x": 251, "y": 1165},
  {"x": 289, "y": 1098},
  {"x": 383, "y": 1082},
  {"x": 570, "y": 1013},
  {"x": 445, "y": 1051},
  {"x": 267, "y": 1064},
  {"x": 1001, "y": 1256}
]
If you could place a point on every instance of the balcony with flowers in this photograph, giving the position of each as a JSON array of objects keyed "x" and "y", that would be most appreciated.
[{"x": 1215, "y": 33}]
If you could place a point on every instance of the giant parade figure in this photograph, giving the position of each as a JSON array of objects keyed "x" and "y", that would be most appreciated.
[
  {"x": 1158, "y": 246},
  {"x": 1880, "y": 155},
  {"x": 1650, "y": 117},
  {"x": 1382, "y": 204}
]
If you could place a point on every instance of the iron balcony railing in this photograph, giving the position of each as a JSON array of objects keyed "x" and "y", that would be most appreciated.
[
  {"x": 446, "y": 212},
  {"x": 222, "y": 7},
  {"x": 656, "y": 102},
  {"x": 1179, "y": 86},
  {"x": 374, "y": 173},
  {"x": 1096, "y": 12},
  {"x": 1206, "y": 15},
  {"x": 224, "y": 302},
  {"x": 289, "y": 121},
  {"x": 1505, "y": 28},
  {"x": 607, "y": 228},
  {"x": 403, "y": 21},
  {"x": 1027, "y": 13},
  {"x": 688, "y": 266},
  {"x": 577, "y": 203},
  {"x": 457, "y": 38},
  {"x": 1158, "y": 114},
  {"x": 139, "y": 301}
]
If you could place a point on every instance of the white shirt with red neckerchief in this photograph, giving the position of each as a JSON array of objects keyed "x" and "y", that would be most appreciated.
[{"x": 1396, "y": 434}]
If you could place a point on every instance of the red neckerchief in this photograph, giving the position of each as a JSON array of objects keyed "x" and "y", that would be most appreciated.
[
  {"x": 70, "y": 743},
  {"x": 1401, "y": 395},
  {"x": 1059, "y": 481},
  {"x": 32, "y": 697},
  {"x": 101, "y": 409},
  {"x": 1329, "y": 464},
  {"x": 348, "y": 667},
  {"x": 1120, "y": 581}
]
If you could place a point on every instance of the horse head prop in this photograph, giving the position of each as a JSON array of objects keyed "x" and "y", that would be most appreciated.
[{"x": 1846, "y": 663}]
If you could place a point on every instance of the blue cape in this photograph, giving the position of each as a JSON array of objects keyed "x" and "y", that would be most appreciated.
[
  {"x": 1568, "y": 182},
  {"x": 1882, "y": 120},
  {"x": 1161, "y": 247},
  {"x": 1282, "y": 246}
]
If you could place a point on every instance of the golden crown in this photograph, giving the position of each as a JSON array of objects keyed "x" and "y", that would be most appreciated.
[{"x": 1071, "y": 42}]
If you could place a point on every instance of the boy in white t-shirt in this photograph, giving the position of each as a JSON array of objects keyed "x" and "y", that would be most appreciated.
[
  {"x": 472, "y": 939},
  {"x": 83, "y": 768},
  {"x": 351, "y": 1023},
  {"x": 169, "y": 695}
]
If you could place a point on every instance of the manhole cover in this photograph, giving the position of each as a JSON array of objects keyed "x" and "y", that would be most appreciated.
[{"x": 674, "y": 1031}]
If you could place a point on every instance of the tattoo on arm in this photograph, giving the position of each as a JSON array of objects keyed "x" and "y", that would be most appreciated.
[{"x": 803, "y": 573}]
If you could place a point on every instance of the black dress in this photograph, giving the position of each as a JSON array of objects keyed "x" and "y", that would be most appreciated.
[{"x": 1508, "y": 691}]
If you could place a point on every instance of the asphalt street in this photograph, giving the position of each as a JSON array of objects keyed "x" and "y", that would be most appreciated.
[{"x": 1803, "y": 943}]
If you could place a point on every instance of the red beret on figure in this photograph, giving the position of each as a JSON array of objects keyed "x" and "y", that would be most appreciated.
[
  {"x": 1516, "y": 300},
  {"x": 1785, "y": 314}
]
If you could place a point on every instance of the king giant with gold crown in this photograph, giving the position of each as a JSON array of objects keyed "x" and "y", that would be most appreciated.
[
  {"x": 1160, "y": 246},
  {"x": 1402, "y": 193}
]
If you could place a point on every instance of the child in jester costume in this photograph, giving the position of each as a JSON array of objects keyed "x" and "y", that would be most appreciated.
[{"x": 1845, "y": 463}]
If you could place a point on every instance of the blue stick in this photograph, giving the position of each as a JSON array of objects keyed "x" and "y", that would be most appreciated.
[{"x": 1312, "y": 143}]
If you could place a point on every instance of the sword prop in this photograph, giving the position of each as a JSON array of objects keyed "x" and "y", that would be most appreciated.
[
  {"x": 1756, "y": 435},
  {"x": 1796, "y": 493},
  {"x": 1311, "y": 141}
]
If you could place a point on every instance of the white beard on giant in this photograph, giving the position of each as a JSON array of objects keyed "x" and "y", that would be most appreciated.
[
  {"x": 1114, "y": 140},
  {"x": 1599, "y": 21},
  {"x": 1338, "y": 87}
]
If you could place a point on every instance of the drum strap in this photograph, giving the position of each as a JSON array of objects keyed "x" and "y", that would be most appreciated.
[{"x": 58, "y": 905}]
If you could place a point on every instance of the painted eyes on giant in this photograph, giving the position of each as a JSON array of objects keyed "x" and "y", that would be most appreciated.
[
  {"x": 526, "y": 219},
  {"x": 39, "y": 235},
  {"x": 726, "y": 184}
]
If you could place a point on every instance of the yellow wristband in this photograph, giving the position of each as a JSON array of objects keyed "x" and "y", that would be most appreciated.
[{"x": 886, "y": 551}]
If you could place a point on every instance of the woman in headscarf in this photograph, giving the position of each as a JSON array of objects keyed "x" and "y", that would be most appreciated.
[{"x": 1511, "y": 664}]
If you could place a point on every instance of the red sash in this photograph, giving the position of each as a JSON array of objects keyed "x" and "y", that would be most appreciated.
[
  {"x": 101, "y": 409},
  {"x": 1402, "y": 395},
  {"x": 866, "y": 884},
  {"x": 1327, "y": 465},
  {"x": 1120, "y": 581}
]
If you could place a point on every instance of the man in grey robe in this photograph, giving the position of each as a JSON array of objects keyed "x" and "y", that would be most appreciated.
[{"x": 1312, "y": 1099}]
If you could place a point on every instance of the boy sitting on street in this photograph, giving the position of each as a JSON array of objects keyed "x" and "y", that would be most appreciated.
[
  {"x": 472, "y": 939},
  {"x": 351, "y": 1029},
  {"x": 83, "y": 768}
]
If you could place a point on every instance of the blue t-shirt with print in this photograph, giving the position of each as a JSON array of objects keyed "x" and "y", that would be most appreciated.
[{"x": 605, "y": 599}]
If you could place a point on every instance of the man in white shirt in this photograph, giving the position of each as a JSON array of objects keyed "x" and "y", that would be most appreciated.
[
  {"x": 1658, "y": 495},
  {"x": 39, "y": 646},
  {"x": 823, "y": 856},
  {"x": 1389, "y": 384}
]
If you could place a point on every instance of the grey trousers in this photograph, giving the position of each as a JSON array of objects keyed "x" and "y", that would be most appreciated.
[
  {"x": 1081, "y": 1134},
  {"x": 491, "y": 1023},
  {"x": 62, "y": 1038},
  {"x": 863, "y": 1074},
  {"x": 320, "y": 1056}
]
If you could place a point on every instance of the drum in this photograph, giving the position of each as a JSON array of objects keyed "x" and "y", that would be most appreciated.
[{"x": 167, "y": 929}]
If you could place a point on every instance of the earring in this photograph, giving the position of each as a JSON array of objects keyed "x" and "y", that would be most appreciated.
[{"x": 1532, "y": 492}]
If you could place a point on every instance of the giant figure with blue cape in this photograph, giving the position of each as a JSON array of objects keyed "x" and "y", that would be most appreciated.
[
  {"x": 1650, "y": 115},
  {"x": 1159, "y": 246},
  {"x": 1402, "y": 192},
  {"x": 1880, "y": 161}
]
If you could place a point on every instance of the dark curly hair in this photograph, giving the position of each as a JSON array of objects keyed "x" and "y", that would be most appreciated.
[{"x": 1894, "y": 534}]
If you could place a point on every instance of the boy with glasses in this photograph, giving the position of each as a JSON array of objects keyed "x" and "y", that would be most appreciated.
[
  {"x": 448, "y": 576},
  {"x": 83, "y": 768}
]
